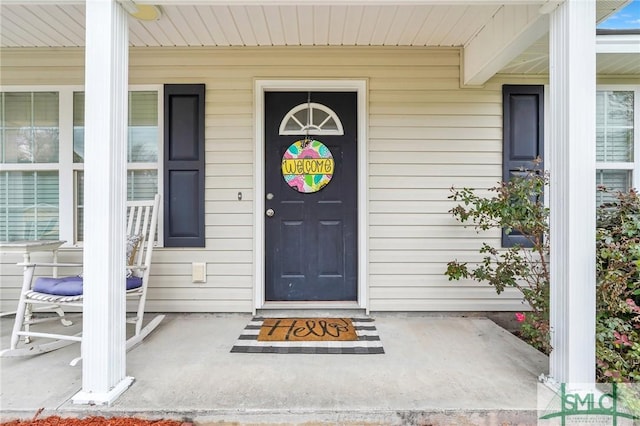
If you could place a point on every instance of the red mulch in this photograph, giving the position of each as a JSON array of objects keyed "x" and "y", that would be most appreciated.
[{"x": 94, "y": 421}]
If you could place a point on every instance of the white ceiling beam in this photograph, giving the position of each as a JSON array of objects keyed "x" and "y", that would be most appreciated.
[
  {"x": 510, "y": 31},
  {"x": 622, "y": 43}
]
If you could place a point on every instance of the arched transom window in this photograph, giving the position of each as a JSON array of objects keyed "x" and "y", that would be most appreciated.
[{"x": 311, "y": 119}]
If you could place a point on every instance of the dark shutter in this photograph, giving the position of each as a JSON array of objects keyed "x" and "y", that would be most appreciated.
[
  {"x": 184, "y": 165},
  {"x": 523, "y": 138}
]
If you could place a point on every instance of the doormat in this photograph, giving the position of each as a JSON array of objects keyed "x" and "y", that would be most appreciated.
[
  {"x": 305, "y": 329},
  {"x": 302, "y": 336}
]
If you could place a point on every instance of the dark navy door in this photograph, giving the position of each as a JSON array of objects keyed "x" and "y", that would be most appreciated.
[{"x": 311, "y": 234}]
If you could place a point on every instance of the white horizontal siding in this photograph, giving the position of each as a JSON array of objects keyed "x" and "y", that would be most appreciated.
[
  {"x": 422, "y": 142},
  {"x": 449, "y": 232},
  {"x": 425, "y": 135},
  {"x": 455, "y": 304}
]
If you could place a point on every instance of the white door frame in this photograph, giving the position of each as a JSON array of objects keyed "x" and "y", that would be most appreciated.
[{"x": 360, "y": 87}]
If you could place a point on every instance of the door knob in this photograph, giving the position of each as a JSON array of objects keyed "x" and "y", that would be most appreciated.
[{"x": 270, "y": 212}]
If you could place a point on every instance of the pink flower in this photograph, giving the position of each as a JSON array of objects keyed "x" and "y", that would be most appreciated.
[
  {"x": 635, "y": 308},
  {"x": 621, "y": 339},
  {"x": 520, "y": 316}
]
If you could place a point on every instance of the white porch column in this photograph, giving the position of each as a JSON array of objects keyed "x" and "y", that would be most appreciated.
[
  {"x": 106, "y": 80},
  {"x": 572, "y": 67}
]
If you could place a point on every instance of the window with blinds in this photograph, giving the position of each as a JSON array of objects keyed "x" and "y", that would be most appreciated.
[
  {"x": 29, "y": 209},
  {"x": 42, "y": 176},
  {"x": 615, "y": 153},
  {"x": 141, "y": 185},
  {"x": 29, "y": 152},
  {"x": 142, "y": 150}
]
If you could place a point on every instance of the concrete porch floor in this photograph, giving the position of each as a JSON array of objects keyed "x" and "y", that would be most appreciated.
[{"x": 435, "y": 370}]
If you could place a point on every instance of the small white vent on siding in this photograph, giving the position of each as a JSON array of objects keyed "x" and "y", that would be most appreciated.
[{"x": 311, "y": 119}]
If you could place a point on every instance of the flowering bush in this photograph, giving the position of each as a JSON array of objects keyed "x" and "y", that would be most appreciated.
[
  {"x": 618, "y": 289},
  {"x": 517, "y": 206}
]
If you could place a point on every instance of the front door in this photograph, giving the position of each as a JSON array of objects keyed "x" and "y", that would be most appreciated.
[{"x": 311, "y": 196}]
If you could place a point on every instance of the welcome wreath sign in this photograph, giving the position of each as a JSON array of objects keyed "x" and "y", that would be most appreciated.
[{"x": 307, "y": 166}]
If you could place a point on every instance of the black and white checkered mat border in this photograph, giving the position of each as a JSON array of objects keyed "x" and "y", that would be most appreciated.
[{"x": 368, "y": 341}]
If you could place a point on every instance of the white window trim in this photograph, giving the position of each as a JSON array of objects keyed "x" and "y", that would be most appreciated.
[
  {"x": 635, "y": 165},
  {"x": 65, "y": 166}
]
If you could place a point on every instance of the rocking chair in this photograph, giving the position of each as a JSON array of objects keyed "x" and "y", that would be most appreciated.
[{"x": 56, "y": 294}]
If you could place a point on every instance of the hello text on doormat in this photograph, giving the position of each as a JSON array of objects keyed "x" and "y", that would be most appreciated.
[
  {"x": 367, "y": 342},
  {"x": 307, "y": 329}
]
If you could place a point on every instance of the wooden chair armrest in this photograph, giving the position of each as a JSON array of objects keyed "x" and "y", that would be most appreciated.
[
  {"x": 138, "y": 267},
  {"x": 52, "y": 265}
]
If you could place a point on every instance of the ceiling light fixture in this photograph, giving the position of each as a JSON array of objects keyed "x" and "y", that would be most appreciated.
[{"x": 142, "y": 12}]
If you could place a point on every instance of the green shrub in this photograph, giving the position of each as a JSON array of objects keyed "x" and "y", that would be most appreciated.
[
  {"x": 516, "y": 206},
  {"x": 618, "y": 289}
]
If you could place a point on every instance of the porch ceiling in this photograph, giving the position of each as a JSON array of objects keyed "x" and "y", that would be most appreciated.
[
  {"x": 452, "y": 23},
  {"x": 535, "y": 60},
  {"x": 269, "y": 23}
]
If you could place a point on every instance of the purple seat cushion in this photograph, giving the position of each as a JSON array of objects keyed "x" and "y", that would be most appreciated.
[
  {"x": 71, "y": 286},
  {"x": 63, "y": 286},
  {"x": 133, "y": 282}
]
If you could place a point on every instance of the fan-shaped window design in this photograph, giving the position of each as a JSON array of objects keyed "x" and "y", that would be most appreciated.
[{"x": 311, "y": 119}]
